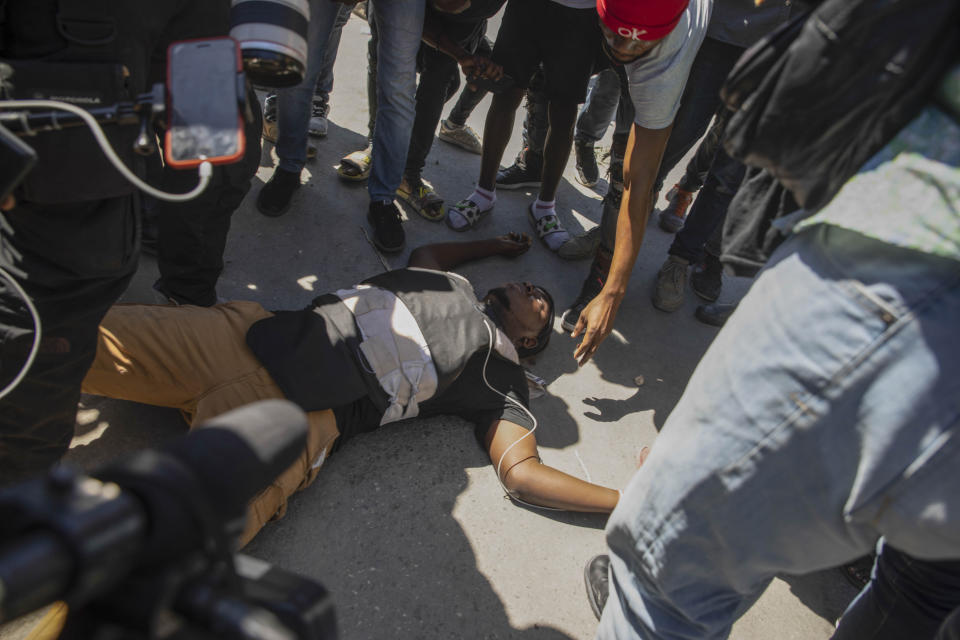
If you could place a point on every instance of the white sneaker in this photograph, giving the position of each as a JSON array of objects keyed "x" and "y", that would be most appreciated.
[{"x": 462, "y": 136}]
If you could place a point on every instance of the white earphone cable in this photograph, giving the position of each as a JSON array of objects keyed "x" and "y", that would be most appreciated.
[{"x": 520, "y": 406}]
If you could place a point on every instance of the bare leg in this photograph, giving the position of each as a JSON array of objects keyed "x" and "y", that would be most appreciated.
[
  {"x": 496, "y": 134},
  {"x": 556, "y": 150}
]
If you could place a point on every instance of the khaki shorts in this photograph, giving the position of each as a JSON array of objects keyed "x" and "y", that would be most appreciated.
[{"x": 196, "y": 359}]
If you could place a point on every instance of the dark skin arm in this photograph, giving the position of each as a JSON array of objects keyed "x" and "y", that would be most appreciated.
[
  {"x": 529, "y": 480},
  {"x": 640, "y": 167},
  {"x": 473, "y": 66},
  {"x": 445, "y": 256}
]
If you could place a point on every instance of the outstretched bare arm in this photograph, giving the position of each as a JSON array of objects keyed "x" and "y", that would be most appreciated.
[
  {"x": 445, "y": 256},
  {"x": 528, "y": 479}
]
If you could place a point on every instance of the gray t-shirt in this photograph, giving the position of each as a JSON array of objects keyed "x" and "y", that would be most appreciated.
[{"x": 657, "y": 79}]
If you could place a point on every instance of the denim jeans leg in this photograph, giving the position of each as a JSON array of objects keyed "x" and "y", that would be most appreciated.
[
  {"x": 293, "y": 104},
  {"x": 696, "y": 172},
  {"x": 399, "y": 27},
  {"x": 372, "y": 48},
  {"x": 807, "y": 431},
  {"x": 469, "y": 99},
  {"x": 701, "y": 97},
  {"x": 603, "y": 96},
  {"x": 906, "y": 598},
  {"x": 710, "y": 207},
  {"x": 325, "y": 79}
]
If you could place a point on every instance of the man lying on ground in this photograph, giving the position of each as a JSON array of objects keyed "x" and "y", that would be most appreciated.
[{"x": 408, "y": 342}]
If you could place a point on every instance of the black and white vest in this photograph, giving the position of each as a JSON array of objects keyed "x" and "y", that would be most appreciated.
[{"x": 409, "y": 332}]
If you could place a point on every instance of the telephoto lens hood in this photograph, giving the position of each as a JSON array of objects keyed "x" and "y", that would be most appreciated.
[{"x": 273, "y": 40}]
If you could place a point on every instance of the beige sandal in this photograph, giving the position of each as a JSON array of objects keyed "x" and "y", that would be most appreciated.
[{"x": 356, "y": 166}]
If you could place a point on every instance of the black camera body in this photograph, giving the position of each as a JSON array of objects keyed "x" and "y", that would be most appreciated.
[{"x": 143, "y": 549}]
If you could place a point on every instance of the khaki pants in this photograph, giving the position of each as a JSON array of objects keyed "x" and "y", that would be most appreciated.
[{"x": 196, "y": 359}]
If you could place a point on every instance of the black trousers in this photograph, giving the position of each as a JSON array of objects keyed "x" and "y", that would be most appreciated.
[
  {"x": 192, "y": 235},
  {"x": 439, "y": 81},
  {"x": 73, "y": 261}
]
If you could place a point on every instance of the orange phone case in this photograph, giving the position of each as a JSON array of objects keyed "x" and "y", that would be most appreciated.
[{"x": 241, "y": 138}]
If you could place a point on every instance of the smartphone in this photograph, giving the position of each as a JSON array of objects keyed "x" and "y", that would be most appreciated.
[
  {"x": 16, "y": 160},
  {"x": 205, "y": 96}
]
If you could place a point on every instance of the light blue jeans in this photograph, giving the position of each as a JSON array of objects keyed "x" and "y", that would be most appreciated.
[
  {"x": 325, "y": 78},
  {"x": 294, "y": 103},
  {"x": 823, "y": 416},
  {"x": 399, "y": 25},
  {"x": 602, "y": 105}
]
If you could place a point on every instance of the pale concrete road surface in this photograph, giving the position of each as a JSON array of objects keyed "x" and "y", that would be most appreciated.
[{"x": 407, "y": 526}]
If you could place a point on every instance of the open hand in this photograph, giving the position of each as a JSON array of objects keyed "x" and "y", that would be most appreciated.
[
  {"x": 514, "y": 244},
  {"x": 595, "y": 323}
]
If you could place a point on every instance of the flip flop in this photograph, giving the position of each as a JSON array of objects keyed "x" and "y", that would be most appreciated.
[
  {"x": 356, "y": 166},
  {"x": 422, "y": 199},
  {"x": 469, "y": 210}
]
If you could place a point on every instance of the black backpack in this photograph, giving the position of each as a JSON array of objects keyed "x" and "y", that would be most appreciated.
[
  {"x": 817, "y": 98},
  {"x": 814, "y": 100}
]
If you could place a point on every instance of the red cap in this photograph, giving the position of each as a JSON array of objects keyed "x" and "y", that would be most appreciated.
[{"x": 641, "y": 19}]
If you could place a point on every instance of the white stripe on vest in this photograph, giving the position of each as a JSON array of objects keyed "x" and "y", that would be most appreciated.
[{"x": 395, "y": 348}]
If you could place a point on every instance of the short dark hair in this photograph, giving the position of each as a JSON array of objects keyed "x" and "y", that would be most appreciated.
[{"x": 543, "y": 338}]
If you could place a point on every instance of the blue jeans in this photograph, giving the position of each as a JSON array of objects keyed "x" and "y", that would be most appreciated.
[
  {"x": 699, "y": 165},
  {"x": 604, "y": 103},
  {"x": 710, "y": 208},
  {"x": 823, "y": 416},
  {"x": 325, "y": 79},
  {"x": 294, "y": 104},
  {"x": 906, "y": 598},
  {"x": 399, "y": 25}
]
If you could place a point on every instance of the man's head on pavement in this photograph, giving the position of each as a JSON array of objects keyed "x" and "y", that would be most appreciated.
[
  {"x": 633, "y": 27},
  {"x": 525, "y": 313},
  {"x": 450, "y": 6}
]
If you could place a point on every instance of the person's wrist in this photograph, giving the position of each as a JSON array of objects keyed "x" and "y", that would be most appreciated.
[{"x": 613, "y": 294}]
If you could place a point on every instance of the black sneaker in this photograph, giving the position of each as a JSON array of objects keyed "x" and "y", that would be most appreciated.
[
  {"x": 715, "y": 315},
  {"x": 275, "y": 196},
  {"x": 587, "y": 170},
  {"x": 388, "y": 233},
  {"x": 596, "y": 577},
  {"x": 707, "y": 278},
  {"x": 518, "y": 176},
  {"x": 591, "y": 287}
]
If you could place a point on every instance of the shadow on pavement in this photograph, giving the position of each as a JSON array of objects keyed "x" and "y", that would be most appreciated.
[
  {"x": 826, "y": 592},
  {"x": 401, "y": 561}
]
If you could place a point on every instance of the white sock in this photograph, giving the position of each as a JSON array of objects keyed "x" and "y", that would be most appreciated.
[
  {"x": 483, "y": 198},
  {"x": 543, "y": 208}
]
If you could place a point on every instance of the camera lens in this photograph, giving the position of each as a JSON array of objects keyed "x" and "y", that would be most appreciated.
[{"x": 273, "y": 39}]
